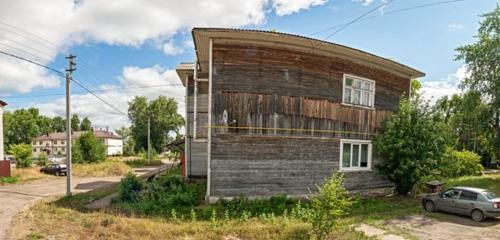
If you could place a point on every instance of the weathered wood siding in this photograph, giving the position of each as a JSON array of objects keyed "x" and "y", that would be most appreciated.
[
  {"x": 196, "y": 151},
  {"x": 266, "y": 165},
  {"x": 292, "y": 103}
]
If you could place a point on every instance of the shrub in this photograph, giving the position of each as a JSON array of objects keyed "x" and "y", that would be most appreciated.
[
  {"x": 130, "y": 188},
  {"x": 23, "y": 155},
  {"x": 159, "y": 196},
  {"x": 88, "y": 149},
  {"x": 241, "y": 205},
  {"x": 411, "y": 143},
  {"x": 331, "y": 203},
  {"x": 42, "y": 160},
  {"x": 461, "y": 163}
]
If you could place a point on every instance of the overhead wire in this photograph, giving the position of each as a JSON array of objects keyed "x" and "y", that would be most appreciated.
[{"x": 389, "y": 13}]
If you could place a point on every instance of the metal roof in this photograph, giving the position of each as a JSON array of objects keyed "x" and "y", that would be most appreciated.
[{"x": 201, "y": 37}]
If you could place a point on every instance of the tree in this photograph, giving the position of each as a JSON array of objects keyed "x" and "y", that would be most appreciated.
[
  {"x": 471, "y": 123},
  {"x": 164, "y": 120},
  {"x": 75, "y": 123},
  {"x": 22, "y": 153},
  {"x": 86, "y": 124},
  {"x": 128, "y": 141},
  {"x": 411, "y": 143},
  {"x": 482, "y": 61},
  {"x": 21, "y": 126},
  {"x": 89, "y": 149},
  {"x": 58, "y": 124}
]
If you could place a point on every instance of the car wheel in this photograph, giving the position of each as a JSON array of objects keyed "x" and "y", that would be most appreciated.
[
  {"x": 477, "y": 215},
  {"x": 429, "y": 206}
]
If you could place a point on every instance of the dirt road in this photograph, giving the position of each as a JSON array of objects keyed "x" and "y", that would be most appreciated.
[
  {"x": 447, "y": 227},
  {"x": 16, "y": 197}
]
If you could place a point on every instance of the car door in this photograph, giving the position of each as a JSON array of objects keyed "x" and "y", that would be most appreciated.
[
  {"x": 446, "y": 201},
  {"x": 466, "y": 202}
]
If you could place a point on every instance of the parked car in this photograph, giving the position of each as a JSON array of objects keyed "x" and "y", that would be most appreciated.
[
  {"x": 55, "y": 168},
  {"x": 474, "y": 202}
]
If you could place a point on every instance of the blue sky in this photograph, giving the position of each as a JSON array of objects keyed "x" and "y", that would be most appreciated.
[{"x": 129, "y": 54}]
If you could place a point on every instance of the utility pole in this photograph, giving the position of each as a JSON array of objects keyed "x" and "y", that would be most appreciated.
[
  {"x": 69, "y": 77},
  {"x": 149, "y": 139}
]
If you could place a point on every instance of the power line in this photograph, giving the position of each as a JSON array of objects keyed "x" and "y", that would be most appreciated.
[
  {"x": 95, "y": 90},
  {"x": 59, "y": 73},
  {"x": 357, "y": 19},
  {"x": 389, "y": 13},
  {"x": 95, "y": 95}
]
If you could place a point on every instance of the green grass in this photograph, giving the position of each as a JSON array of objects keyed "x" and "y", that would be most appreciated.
[
  {"x": 4, "y": 180},
  {"x": 137, "y": 163},
  {"x": 490, "y": 182}
]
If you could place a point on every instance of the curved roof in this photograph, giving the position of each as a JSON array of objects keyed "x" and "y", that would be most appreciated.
[{"x": 201, "y": 37}]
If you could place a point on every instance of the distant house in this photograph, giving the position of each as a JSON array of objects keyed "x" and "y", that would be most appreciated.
[
  {"x": 54, "y": 144},
  {"x": 270, "y": 113}
]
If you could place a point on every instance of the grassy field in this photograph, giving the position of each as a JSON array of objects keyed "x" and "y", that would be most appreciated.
[
  {"x": 25, "y": 175},
  {"x": 491, "y": 182},
  {"x": 102, "y": 169},
  {"x": 74, "y": 221}
]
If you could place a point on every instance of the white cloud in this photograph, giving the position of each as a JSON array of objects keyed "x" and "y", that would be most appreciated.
[
  {"x": 170, "y": 49},
  {"x": 285, "y": 7},
  {"x": 364, "y": 2},
  {"x": 455, "y": 27},
  {"x": 127, "y": 22},
  {"x": 133, "y": 81},
  {"x": 433, "y": 90}
]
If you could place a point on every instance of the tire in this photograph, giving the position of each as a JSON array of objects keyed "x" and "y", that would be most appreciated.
[
  {"x": 477, "y": 215},
  {"x": 429, "y": 206}
]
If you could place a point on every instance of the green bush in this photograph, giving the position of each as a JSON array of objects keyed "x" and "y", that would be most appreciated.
[
  {"x": 241, "y": 205},
  {"x": 42, "y": 159},
  {"x": 461, "y": 163},
  {"x": 23, "y": 154},
  {"x": 88, "y": 149},
  {"x": 411, "y": 143},
  {"x": 331, "y": 203},
  {"x": 130, "y": 188},
  {"x": 159, "y": 196}
]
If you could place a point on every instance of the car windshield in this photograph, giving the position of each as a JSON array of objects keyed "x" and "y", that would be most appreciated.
[{"x": 490, "y": 195}]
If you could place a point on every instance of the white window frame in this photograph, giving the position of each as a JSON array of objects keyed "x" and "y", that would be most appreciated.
[
  {"x": 372, "y": 100},
  {"x": 355, "y": 169}
]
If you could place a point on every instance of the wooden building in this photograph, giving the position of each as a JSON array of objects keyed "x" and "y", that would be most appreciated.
[{"x": 270, "y": 113}]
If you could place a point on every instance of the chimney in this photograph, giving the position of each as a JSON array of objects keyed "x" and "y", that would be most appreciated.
[{"x": 107, "y": 129}]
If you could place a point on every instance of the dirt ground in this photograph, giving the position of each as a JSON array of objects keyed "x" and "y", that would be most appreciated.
[
  {"x": 446, "y": 226},
  {"x": 16, "y": 197}
]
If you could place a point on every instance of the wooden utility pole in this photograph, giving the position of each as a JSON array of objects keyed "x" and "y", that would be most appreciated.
[
  {"x": 69, "y": 77},
  {"x": 149, "y": 139}
]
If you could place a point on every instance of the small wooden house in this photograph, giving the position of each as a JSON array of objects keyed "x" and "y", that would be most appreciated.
[{"x": 270, "y": 113}]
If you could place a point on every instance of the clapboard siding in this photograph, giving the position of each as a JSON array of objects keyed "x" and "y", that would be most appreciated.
[
  {"x": 265, "y": 70},
  {"x": 265, "y": 165},
  {"x": 292, "y": 102},
  {"x": 267, "y": 114},
  {"x": 197, "y": 154}
]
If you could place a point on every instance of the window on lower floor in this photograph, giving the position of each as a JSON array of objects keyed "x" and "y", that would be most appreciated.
[{"x": 355, "y": 155}]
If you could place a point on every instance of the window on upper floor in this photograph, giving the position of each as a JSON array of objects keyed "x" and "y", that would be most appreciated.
[
  {"x": 355, "y": 155},
  {"x": 358, "y": 91}
]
